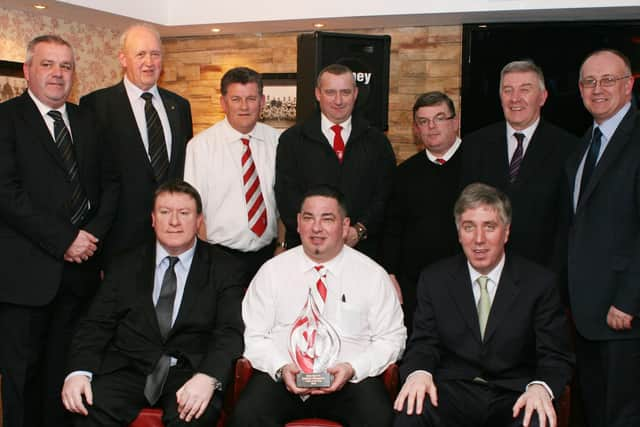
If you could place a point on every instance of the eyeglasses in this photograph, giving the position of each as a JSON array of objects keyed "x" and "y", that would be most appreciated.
[
  {"x": 437, "y": 120},
  {"x": 606, "y": 81}
]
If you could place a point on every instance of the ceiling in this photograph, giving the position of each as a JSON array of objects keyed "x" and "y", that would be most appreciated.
[{"x": 202, "y": 25}]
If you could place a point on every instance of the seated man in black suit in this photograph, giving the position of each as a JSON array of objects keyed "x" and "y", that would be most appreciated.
[
  {"x": 490, "y": 343},
  {"x": 178, "y": 356}
]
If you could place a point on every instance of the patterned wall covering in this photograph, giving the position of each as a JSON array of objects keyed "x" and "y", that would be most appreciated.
[{"x": 95, "y": 47}]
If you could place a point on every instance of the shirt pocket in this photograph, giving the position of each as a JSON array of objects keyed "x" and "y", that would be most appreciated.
[{"x": 352, "y": 320}]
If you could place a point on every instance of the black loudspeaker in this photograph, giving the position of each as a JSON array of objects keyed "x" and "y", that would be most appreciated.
[{"x": 367, "y": 56}]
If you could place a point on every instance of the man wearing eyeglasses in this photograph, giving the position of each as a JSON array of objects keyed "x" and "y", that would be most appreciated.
[
  {"x": 604, "y": 244},
  {"x": 523, "y": 156},
  {"x": 418, "y": 227}
]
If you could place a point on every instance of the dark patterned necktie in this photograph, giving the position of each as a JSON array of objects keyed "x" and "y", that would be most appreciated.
[
  {"x": 516, "y": 160},
  {"x": 591, "y": 160},
  {"x": 79, "y": 203},
  {"x": 164, "y": 313},
  {"x": 157, "y": 145}
]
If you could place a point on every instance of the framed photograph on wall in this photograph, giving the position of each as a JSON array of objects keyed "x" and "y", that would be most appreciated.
[
  {"x": 12, "y": 82},
  {"x": 280, "y": 100}
]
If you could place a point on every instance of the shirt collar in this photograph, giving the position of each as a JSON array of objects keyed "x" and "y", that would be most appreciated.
[
  {"x": 44, "y": 108},
  {"x": 333, "y": 266},
  {"x": 185, "y": 257},
  {"x": 528, "y": 132},
  {"x": 609, "y": 126},
  {"x": 234, "y": 135},
  {"x": 494, "y": 275},
  {"x": 134, "y": 92},
  {"x": 326, "y": 124},
  {"x": 449, "y": 154}
]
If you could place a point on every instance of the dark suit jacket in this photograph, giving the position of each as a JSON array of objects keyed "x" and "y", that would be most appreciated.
[
  {"x": 604, "y": 238},
  {"x": 305, "y": 158},
  {"x": 116, "y": 122},
  {"x": 538, "y": 190},
  {"x": 121, "y": 329},
  {"x": 527, "y": 335},
  {"x": 35, "y": 226}
]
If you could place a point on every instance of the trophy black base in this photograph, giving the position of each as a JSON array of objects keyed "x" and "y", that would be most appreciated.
[{"x": 313, "y": 380}]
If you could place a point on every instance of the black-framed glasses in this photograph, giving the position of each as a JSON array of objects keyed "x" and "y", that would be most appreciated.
[
  {"x": 437, "y": 120},
  {"x": 606, "y": 81}
]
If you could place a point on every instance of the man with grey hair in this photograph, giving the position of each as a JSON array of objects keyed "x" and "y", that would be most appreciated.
[
  {"x": 57, "y": 201},
  {"x": 490, "y": 344},
  {"x": 418, "y": 228},
  {"x": 336, "y": 148},
  {"x": 523, "y": 156},
  {"x": 149, "y": 127}
]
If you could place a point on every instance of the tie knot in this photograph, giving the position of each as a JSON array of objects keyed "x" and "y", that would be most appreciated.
[
  {"x": 482, "y": 281},
  {"x": 519, "y": 137},
  {"x": 55, "y": 115},
  {"x": 321, "y": 270},
  {"x": 597, "y": 133},
  {"x": 146, "y": 96},
  {"x": 440, "y": 161},
  {"x": 336, "y": 128},
  {"x": 173, "y": 260},
  {"x": 245, "y": 141}
]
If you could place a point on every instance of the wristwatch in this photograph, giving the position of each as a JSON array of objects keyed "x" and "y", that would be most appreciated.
[
  {"x": 361, "y": 230},
  {"x": 278, "y": 374}
]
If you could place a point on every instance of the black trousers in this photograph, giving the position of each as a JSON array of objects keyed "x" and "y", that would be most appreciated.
[
  {"x": 118, "y": 397},
  {"x": 467, "y": 404},
  {"x": 266, "y": 403},
  {"x": 33, "y": 358},
  {"x": 251, "y": 261},
  {"x": 609, "y": 377}
]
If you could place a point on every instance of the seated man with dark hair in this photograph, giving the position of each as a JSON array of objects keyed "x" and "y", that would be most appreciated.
[
  {"x": 490, "y": 343},
  {"x": 347, "y": 293},
  {"x": 178, "y": 355}
]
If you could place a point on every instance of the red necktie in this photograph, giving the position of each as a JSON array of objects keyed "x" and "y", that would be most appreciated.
[
  {"x": 321, "y": 287},
  {"x": 440, "y": 161},
  {"x": 256, "y": 209},
  {"x": 338, "y": 143}
]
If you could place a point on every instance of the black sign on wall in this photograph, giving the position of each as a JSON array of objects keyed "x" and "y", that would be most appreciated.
[{"x": 367, "y": 56}]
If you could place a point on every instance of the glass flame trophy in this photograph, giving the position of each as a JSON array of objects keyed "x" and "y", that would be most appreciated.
[{"x": 314, "y": 346}]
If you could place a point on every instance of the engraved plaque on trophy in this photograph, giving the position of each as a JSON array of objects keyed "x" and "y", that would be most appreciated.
[{"x": 314, "y": 346}]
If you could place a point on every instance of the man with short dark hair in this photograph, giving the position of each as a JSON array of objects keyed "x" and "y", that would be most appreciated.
[
  {"x": 524, "y": 156},
  {"x": 352, "y": 294},
  {"x": 604, "y": 243},
  {"x": 232, "y": 164},
  {"x": 490, "y": 345},
  {"x": 149, "y": 127},
  {"x": 337, "y": 148},
  {"x": 164, "y": 328},
  {"x": 418, "y": 227},
  {"x": 58, "y": 195}
]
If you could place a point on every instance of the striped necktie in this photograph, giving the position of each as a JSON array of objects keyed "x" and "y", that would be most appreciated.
[
  {"x": 516, "y": 160},
  {"x": 256, "y": 208},
  {"x": 157, "y": 146}
]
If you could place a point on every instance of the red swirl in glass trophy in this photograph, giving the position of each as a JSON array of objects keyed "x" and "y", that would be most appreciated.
[{"x": 314, "y": 346}]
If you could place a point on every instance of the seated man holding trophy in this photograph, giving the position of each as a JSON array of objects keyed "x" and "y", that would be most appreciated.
[{"x": 322, "y": 323}]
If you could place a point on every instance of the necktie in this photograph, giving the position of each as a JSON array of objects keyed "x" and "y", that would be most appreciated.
[
  {"x": 321, "y": 287},
  {"x": 591, "y": 160},
  {"x": 440, "y": 161},
  {"x": 514, "y": 166},
  {"x": 256, "y": 209},
  {"x": 484, "y": 304},
  {"x": 338, "y": 143},
  {"x": 78, "y": 203},
  {"x": 155, "y": 134},
  {"x": 164, "y": 314}
]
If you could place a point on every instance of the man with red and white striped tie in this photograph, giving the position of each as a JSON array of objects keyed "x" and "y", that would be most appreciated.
[
  {"x": 349, "y": 292},
  {"x": 232, "y": 164}
]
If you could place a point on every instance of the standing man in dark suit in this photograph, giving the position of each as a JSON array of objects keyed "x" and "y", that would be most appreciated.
[
  {"x": 604, "y": 244},
  {"x": 523, "y": 156},
  {"x": 337, "y": 149},
  {"x": 57, "y": 201},
  {"x": 149, "y": 127},
  {"x": 178, "y": 356},
  {"x": 490, "y": 343},
  {"x": 418, "y": 228}
]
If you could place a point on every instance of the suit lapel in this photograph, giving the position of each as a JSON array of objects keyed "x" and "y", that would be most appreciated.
[
  {"x": 197, "y": 279},
  {"x": 77, "y": 135},
  {"x": 505, "y": 295},
  {"x": 461, "y": 291},
  {"x": 538, "y": 151},
  {"x": 619, "y": 140},
  {"x": 146, "y": 279}
]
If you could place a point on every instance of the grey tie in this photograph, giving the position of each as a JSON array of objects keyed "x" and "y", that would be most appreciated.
[
  {"x": 164, "y": 313},
  {"x": 157, "y": 145},
  {"x": 484, "y": 304}
]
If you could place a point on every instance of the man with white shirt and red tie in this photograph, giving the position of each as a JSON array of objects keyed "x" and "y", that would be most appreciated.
[
  {"x": 232, "y": 164},
  {"x": 356, "y": 299},
  {"x": 337, "y": 148}
]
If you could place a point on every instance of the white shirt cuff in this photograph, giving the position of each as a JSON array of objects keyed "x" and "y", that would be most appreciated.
[
  {"x": 543, "y": 384},
  {"x": 76, "y": 373}
]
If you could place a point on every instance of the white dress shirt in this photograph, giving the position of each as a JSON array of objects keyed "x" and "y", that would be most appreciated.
[
  {"x": 449, "y": 154},
  {"x": 137, "y": 105},
  {"x": 361, "y": 304},
  {"x": 512, "y": 142},
  {"x": 213, "y": 166},
  {"x": 326, "y": 124}
]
